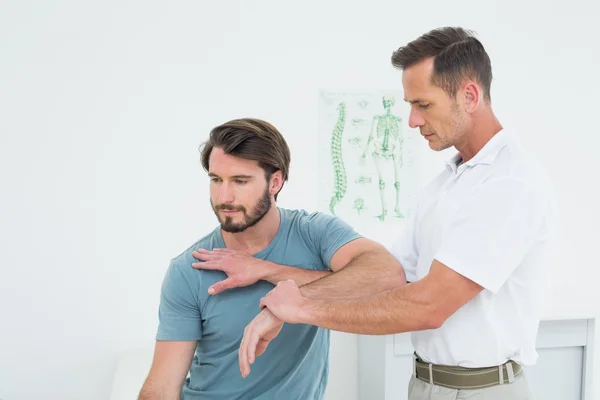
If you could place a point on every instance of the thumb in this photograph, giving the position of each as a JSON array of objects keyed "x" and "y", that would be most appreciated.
[
  {"x": 263, "y": 302},
  {"x": 219, "y": 287}
]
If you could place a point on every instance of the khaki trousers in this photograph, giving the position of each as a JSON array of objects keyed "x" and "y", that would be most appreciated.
[{"x": 517, "y": 390}]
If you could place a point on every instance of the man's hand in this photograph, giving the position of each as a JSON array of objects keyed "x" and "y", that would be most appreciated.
[
  {"x": 241, "y": 268},
  {"x": 285, "y": 301},
  {"x": 257, "y": 336}
]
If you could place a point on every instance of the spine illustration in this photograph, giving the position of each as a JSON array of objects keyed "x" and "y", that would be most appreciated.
[{"x": 340, "y": 178}]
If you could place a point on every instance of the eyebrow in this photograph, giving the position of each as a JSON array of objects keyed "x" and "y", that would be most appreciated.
[
  {"x": 415, "y": 101},
  {"x": 213, "y": 175}
]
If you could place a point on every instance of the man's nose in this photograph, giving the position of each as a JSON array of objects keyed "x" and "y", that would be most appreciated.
[
  {"x": 226, "y": 194},
  {"x": 415, "y": 119}
]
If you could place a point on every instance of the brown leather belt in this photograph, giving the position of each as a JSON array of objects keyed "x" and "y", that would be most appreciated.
[{"x": 466, "y": 378}]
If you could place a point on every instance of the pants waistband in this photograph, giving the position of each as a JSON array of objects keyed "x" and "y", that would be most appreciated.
[{"x": 466, "y": 378}]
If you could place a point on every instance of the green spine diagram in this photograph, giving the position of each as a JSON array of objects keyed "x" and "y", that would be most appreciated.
[
  {"x": 337, "y": 159},
  {"x": 368, "y": 161}
]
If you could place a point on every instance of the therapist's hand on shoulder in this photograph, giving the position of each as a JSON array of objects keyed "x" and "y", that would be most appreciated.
[{"x": 241, "y": 268}]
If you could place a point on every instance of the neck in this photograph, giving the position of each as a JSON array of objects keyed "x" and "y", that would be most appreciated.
[
  {"x": 483, "y": 127},
  {"x": 257, "y": 237}
]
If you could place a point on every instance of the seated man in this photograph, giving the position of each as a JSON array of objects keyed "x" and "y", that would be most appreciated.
[{"x": 211, "y": 291}]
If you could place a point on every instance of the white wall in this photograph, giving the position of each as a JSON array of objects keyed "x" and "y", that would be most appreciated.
[{"x": 103, "y": 106}]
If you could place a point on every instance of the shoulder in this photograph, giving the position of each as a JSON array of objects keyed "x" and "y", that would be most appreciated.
[
  {"x": 324, "y": 233},
  {"x": 518, "y": 186},
  {"x": 181, "y": 264},
  {"x": 307, "y": 220},
  {"x": 519, "y": 169},
  {"x": 318, "y": 227}
]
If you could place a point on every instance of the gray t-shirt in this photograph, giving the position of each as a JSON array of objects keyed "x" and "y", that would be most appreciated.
[{"x": 296, "y": 363}]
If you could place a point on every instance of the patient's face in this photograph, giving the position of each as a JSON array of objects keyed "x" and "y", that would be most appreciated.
[{"x": 239, "y": 191}]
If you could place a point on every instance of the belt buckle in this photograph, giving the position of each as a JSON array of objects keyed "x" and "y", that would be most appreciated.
[{"x": 509, "y": 372}]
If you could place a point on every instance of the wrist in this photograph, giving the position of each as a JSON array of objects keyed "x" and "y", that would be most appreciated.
[
  {"x": 270, "y": 271},
  {"x": 307, "y": 311},
  {"x": 308, "y": 291}
]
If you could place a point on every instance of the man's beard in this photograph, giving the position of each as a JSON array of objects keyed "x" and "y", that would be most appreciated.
[{"x": 263, "y": 205}]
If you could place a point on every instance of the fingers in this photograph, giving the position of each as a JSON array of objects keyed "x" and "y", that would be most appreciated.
[
  {"x": 263, "y": 301},
  {"x": 262, "y": 346},
  {"x": 206, "y": 255},
  {"x": 250, "y": 347},
  {"x": 253, "y": 340},
  {"x": 219, "y": 287},
  {"x": 243, "y": 353},
  {"x": 242, "y": 356},
  {"x": 214, "y": 265}
]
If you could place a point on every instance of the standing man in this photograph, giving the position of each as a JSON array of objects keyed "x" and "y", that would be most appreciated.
[
  {"x": 476, "y": 251},
  {"x": 205, "y": 305}
]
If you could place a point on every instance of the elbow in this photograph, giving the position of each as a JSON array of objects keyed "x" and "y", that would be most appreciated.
[
  {"x": 401, "y": 277},
  {"x": 429, "y": 321},
  {"x": 146, "y": 394},
  {"x": 152, "y": 390},
  {"x": 433, "y": 317},
  {"x": 434, "y": 321},
  {"x": 396, "y": 279},
  {"x": 392, "y": 283}
]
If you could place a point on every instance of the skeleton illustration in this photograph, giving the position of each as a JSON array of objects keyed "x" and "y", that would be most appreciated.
[{"x": 385, "y": 140}]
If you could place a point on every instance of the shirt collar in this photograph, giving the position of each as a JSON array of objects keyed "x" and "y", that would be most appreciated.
[{"x": 486, "y": 155}]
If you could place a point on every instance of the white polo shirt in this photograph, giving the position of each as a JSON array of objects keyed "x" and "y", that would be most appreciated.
[{"x": 493, "y": 219}]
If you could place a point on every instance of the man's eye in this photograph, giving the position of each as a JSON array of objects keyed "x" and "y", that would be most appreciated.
[
  {"x": 240, "y": 182},
  {"x": 424, "y": 106}
]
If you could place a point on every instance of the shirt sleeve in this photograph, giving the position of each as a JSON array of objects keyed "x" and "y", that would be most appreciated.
[
  {"x": 493, "y": 232},
  {"x": 179, "y": 311},
  {"x": 404, "y": 249},
  {"x": 328, "y": 233}
]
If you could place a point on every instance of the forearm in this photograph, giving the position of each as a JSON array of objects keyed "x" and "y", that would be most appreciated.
[
  {"x": 275, "y": 273},
  {"x": 404, "y": 309},
  {"x": 371, "y": 272}
]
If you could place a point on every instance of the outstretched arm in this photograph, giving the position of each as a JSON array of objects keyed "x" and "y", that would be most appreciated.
[
  {"x": 243, "y": 270},
  {"x": 366, "y": 267},
  {"x": 481, "y": 249},
  {"x": 425, "y": 304},
  {"x": 358, "y": 268}
]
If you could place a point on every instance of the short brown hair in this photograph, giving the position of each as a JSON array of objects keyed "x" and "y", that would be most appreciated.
[
  {"x": 250, "y": 139},
  {"x": 457, "y": 55}
]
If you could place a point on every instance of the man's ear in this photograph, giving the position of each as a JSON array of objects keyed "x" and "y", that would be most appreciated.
[
  {"x": 276, "y": 182},
  {"x": 472, "y": 97}
]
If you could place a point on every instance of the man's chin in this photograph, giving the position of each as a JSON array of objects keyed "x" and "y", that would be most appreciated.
[
  {"x": 233, "y": 228},
  {"x": 437, "y": 146}
]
